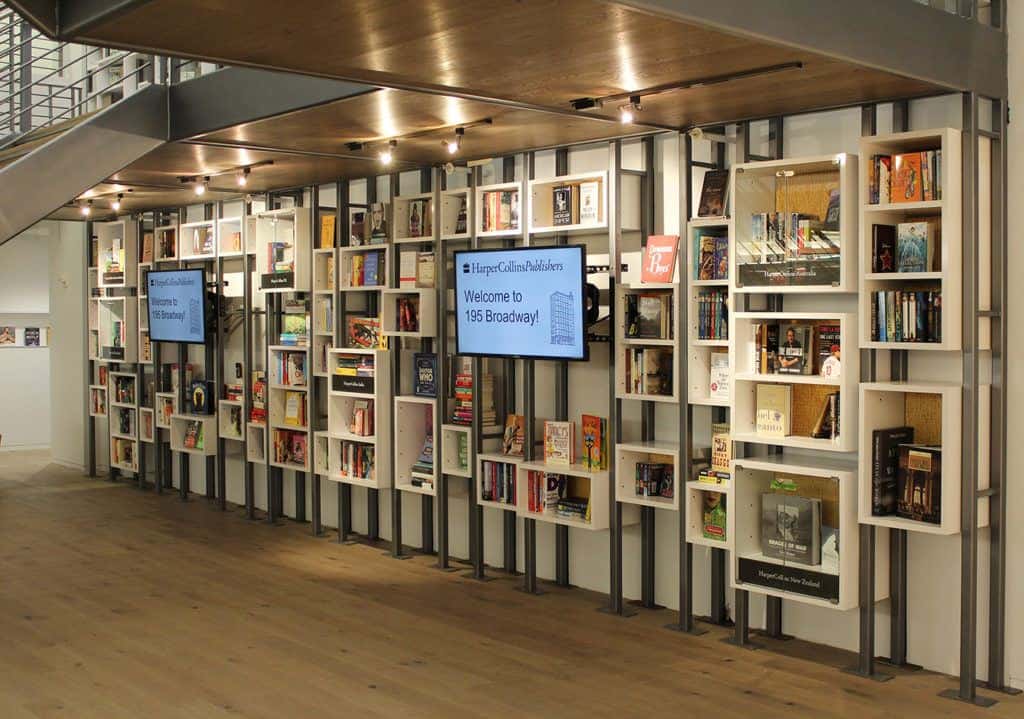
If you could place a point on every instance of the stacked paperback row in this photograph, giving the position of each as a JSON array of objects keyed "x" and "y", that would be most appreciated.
[
  {"x": 649, "y": 316},
  {"x": 498, "y": 482},
  {"x": 356, "y": 460},
  {"x": 654, "y": 479},
  {"x": 908, "y": 177},
  {"x": 906, "y": 478},
  {"x": 713, "y": 315},
  {"x": 462, "y": 406},
  {"x": 649, "y": 371},
  {"x": 547, "y": 492},
  {"x": 368, "y": 269},
  {"x": 906, "y": 316}
]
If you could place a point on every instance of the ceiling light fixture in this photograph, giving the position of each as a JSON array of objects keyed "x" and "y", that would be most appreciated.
[
  {"x": 202, "y": 186},
  {"x": 627, "y": 112},
  {"x": 86, "y": 209},
  {"x": 243, "y": 177},
  {"x": 116, "y": 204},
  {"x": 387, "y": 154},
  {"x": 455, "y": 143}
]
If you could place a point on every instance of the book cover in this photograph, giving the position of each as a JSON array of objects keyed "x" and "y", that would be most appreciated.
[
  {"x": 706, "y": 262},
  {"x": 407, "y": 262},
  {"x": 593, "y": 441},
  {"x": 364, "y": 332},
  {"x": 906, "y": 183},
  {"x": 657, "y": 371},
  {"x": 651, "y": 316},
  {"x": 794, "y": 350},
  {"x": 714, "y": 515},
  {"x": 559, "y": 442},
  {"x": 424, "y": 374},
  {"x": 515, "y": 431},
  {"x": 721, "y": 451},
  {"x": 372, "y": 269},
  {"x": 919, "y": 483},
  {"x": 883, "y": 248},
  {"x": 885, "y": 457},
  {"x": 590, "y": 198},
  {"x": 376, "y": 230},
  {"x": 718, "y": 382},
  {"x": 829, "y": 350},
  {"x": 659, "y": 258},
  {"x": 424, "y": 269},
  {"x": 791, "y": 528},
  {"x": 721, "y": 258},
  {"x": 713, "y": 194},
  {"x": 774, "y": 410},
  {"x": 915, "y": 247},
  {"x": 561, "y": 205},
  {"x": 199, "y": 397},
  {"x": 147, "y": 247},
  {"x": 832, "y": 212},
  {"x": 294, "y": 409},
  {"x": 461, "y": 218},
  {"x": 327, "y": 221}
]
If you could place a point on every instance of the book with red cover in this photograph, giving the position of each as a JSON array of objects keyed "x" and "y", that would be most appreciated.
[
  {"x": 659, "y": 261},
  {"x": 907, "y": 182}
]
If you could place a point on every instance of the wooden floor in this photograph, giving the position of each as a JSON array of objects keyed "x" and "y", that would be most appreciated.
[{"x": 120, "y": 603}]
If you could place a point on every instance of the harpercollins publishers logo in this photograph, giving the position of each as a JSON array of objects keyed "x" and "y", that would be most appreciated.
[
  {"x": 465, "y": 268},
  {"x": 511, "y": 267}
]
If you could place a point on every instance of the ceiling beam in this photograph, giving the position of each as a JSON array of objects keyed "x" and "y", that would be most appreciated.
[
  {"x": 77, "y": 17},
  {"x": 41, "y": 14}
]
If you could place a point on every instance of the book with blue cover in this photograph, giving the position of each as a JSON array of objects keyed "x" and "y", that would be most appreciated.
[{"x": 371, "y": 268}]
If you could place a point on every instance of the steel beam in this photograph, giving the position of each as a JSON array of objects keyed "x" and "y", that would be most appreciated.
[
  {"x": 42, "y": 14},
  {"x": 77, "y": 17}
]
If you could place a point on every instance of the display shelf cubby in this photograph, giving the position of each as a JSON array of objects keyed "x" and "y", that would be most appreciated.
[
  {"x": 579, "y": 483},
  {"x": 97, "y": 400},
  {"x": 123, "y": 389},
  {"x": 124, "y": 422},
  {"x": 124, "y": 453},
  {"x": 142, "y": 285},
  {"x": 359, "y": 413},
  {"x": 117, "y": 329},
  {"x": 165, "y": 247},
  {"x": 352, "y": 261},
  {"x": 809, "y": 392},
  {"x": 578, "y": 202},
  {"x": 166, "y": 407},
  {"x": 413, "y": 218},
  {"x": 416, "y": 431},
  {"x": 456, "y": 441},
  {"x": 116, "y": 244},
  {"x": 707, "y": 277},
  {"x": 321, "y": 454},
  {"x": 497, "y": 480},
  {"x": 819, "y": 257},
  {"x": 283, "y": 247},
  {"x": 628, "y": 455},
  {"x": 498, "y": 210},
  {"x": 636, "y": 356},
  {"x": 231, "y": 236},
  {"x": 830, "y": 577},
  {"x": 944, "y": 217},
  {"x": 323, "y": 314},
  {"x": 395, "y": 320},
  {"x": 230, "y": 424},
  {"x": 324, "y": 270},
  {"x": 194, "y": 434},
  {"x": 198, "y": 240},
  {"x": 455, "y": 219},
  {"x": 147, "y": 426},
  {"x": 933, "y": 411},
  {"x": 322, "y": 345},
  {"x": 255, "y": 442},
  {"x": 694, "y": 496}
]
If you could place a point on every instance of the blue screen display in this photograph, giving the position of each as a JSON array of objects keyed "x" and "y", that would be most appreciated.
[
  {"x": 177, "y": 306},
  {"x": 526, "y": 302}
]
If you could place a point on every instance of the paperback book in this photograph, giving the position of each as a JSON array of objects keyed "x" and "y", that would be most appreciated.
[{"x": 559, "y": 442}]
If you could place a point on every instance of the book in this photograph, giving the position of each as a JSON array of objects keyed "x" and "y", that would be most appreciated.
[
  {"x": 883, "y": 248},
  {"x": 363, "y": 332},
  {"x": 376, "y": 229},
  {"x": 595, "y": 444},
  {"x": 407, "y": 265},
  {"x": 199, "y": 398},
  {"x": 706, "y": 261},
  {"x": 372, "y": 269},
  {"x": 829, "y": 350},
  {"x": 515, "y": 431},
  {"x": 826, "y": 426},
  {"x": 721, "y": 450},
  {"x": 651, "y": 315},
  {"x": 590, "y": 199},
  {"x": 295, "y": 409},
  {"x": 919, "y": 483},
  {"x": 147, "y": 247},
  {"x": 357, "y": 228},
  {"x": 774, "y": 414},
  {"x": 559, "y": 442},
  {"x": 653, "y": 479},
  {"x": 915, "y": 247},
  {"x": 659, "y": 258},
  {"x": 794, "y": 350},
  {"x": 327, "y": 222},
  {"x": 32, "y": 338},
  {"x": 791, "y": 528},
  {"x": 832, "y": 212},
  {"x": 424, "y": 374},
  {"x": 718, "y": 381},
  {"x": 885, "y": 458},
  {"x": 562, "y": 205},
  {"x": 461, "y": 217},
  {"x": 906, "y": 182},
  {"x": 714, "y": 516},
  {"x": 713, "y": 194},
  {"x": 424, "y": 269}
]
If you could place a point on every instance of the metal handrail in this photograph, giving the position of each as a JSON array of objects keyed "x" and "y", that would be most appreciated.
[
  {"x": 52, "y": 73},
  {"x": 34, "y": 59}
]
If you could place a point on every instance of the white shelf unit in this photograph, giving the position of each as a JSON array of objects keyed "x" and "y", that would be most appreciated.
[
  {"x": 345, "y": 393},
  {"x": 124, "y": 422},
  {"x": 93, "y": 308},
  {"x": 325, "y": 273},
  {"x": 117, "y": 328},
  {"x": 698, "y": 352},
  {"x": 515, "y": 210},
  {"x": 693, "y": 505},
  {"x": 583, "y": 483},
  {"x": 833, "y": 583},
  {"x": 206, "y": 433},
  {"x": 285, "y": 236},
  {"x": 947, "y": 211},
  {"x": 231, "y": 419},
  {"x": 402, "y": 218},
  {"x": 124, "y": 453},
  {"x": 427, "y": 299},
  {"x": 796, "y": 185},
  {"x": 807, "y": 390},
  {"x": 198, "y": 240},
  {"x": 453, "y": 204},
  {"x": 415, "y": 418},
  {"x": 147, "y": 426},
  {"x": 625, "y": 346},
  {"x": 348, "y": 281},
  {"x": 542, "y": 199},
  {"x": 321, "y": 454},
  {"x": 323, "y": 314},
  {"x": 117, "y": 243},
  {"x": 510, "y": 460},
  {"x": 97, "y": 400},
  {"x": 165, "y": 243},
  {"x": 232, "y": 238},
  {"x": 124, "y": 389},
  {"x": 142, "y": 285},
  {"x": 288, "y": 441},
  {"x": 451, "y": 436},
  {"x": 256, "y": 442},
  {"x": 166, "y": 407},
  {"x": 628, "y": 455},
  {"x": 933, "y": 409}
]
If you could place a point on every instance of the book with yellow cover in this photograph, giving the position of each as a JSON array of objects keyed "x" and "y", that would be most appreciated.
[{"x": 774, "y": 410}]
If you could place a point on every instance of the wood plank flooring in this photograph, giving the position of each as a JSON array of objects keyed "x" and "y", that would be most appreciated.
[{"x": 121, "y": 603}]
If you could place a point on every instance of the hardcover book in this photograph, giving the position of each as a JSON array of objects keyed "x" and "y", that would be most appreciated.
[
  {"x": 706, "y": 262},
  {"x": 364, "y": 332},
  {"x": 659, "y": 258},
  {"x": 327, "y": 221},
  {"x": 919, "y": 483},
  {"x": 906, "y": 182},
  {"x": 594, "y": 442},
  {"x": 774, "y": 410},
  {"x": 424, "y": 269},
  {"x": 883, "y": 248},
  {"x": 407, "y": 269},
  {"x": 714, "y": 516},
  {"x": 718, "y": 382},
  {"x": 561, "y": 205},
  {"x": 377, "y": 227},
  {"x": 559, "y": 442},
  {"x": 885, "y": 458},
  {"x": 915, "y": 247},
  {"x": 721, "y": 449},
  {"x": 515, "y": 431},
  {"x": 147, "y": 247},
  {"x": 713, "y": 194},
  {"x": 794, "y": 350},
  {"x": 590, "y": 198},
  {"x": 791, "y": 528},
  {"x": 425, "y": 374},
  {"x": 829, "y": 350}
]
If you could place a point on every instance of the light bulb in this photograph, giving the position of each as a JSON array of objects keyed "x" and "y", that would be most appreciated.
[
  {"x": 626, "y": 115},
  {"x": 200, "y": 187},
  {"x": 87, "y": 209},
  {"x": 453, "y": 147},
  {"x": 116, "y": 204},
  {"x": 243, "y": 177},
  {"x": 386, "y": 157}
]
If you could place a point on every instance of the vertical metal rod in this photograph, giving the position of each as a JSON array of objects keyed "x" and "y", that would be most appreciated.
[
  {"x": 315, "y": 398},
  {"x": 561, "y": 406},
  {"x": 616, "y": 605},
  {"x": 372, "y": 514},
  {"x": 344, "y": 511},
  {"x": 247, "y": 370},
  {"x": 509, "y": 535},
  {"x": 441, "y": 275},
  {"x": 270, "y": 328},
  {"x": 529, "y": 432},
  {"x": 719, "y": 613},
  {"x": 741, "y": 629},
  {"x": 90, "y": 366},
  {"x": 773, "y": 617},
  {"x": 220, "y": 338},
  {"x": 183, "y": 459}
]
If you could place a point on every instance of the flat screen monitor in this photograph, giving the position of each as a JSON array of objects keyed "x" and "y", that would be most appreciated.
[
  {"x": 525, "y": 302},
  {"x": 177, "y": 306}
]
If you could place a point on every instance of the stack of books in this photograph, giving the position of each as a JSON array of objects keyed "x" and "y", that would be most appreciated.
[
  {"x": 498, "y": 482},
  {"x": 408, "y": 312},
  {"x": 357, "y": 460},
  {"x": 462, "y": 410},
  {"x": 577, "y": 508},
  {"x": 500, "y": 211},
  {"x": 654, "y": 479},
  {"x": 713, "y": 315},
  {"x": 909, "y": 177},
  {"x": 424, "y": 464}
]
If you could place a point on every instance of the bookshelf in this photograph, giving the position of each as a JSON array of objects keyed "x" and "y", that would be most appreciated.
[
  {"x": 582, "y": 483},
  {"x": 416, "y": 419},
  {"x": 700, "y": 352},
  {"x": 829, "y": 581},
  {"x": 143, "y": 286},
  {"x": 455, "y": 220},
  {"x": 93, "y": 308},
  {"x": 391, "y": 302},
  {"x": 283, "y": 248},
  {"x": 97, "y": 400},
  {"x": 198, "y": 240},
  {"x": 805, "y": 260},
  {"x": 456, "y": 445},
  {"x": 569, "y": 204},
  {"x": 352, "y": 268},
  {"x": 288, "y": 407},
  {"x": 351, "y": 396},
  {"x": 116, "y": 245},
  {"x": 123, "y": 389},
  {"x": 147, "y": 426},
  {"x": 321, "y": 454},
  {"x": 194, "y": 434},
  {"x": 504, "y": 200},
  {"x": 256, "y": 442},
  {"x": 636, "y": 356},
  {"x": 166, "y": 406},
  {"x": 933, "y": 410},
  {"x": 117, "y": 325},
  {"x": 165, "y": 245},
  {"x": 232, "y": 238},
  {"x": 809, "y": 391},
  {"x": 504, "y": 465},
  {"x": 628, "y": 455},
  {"x": 694, "y": 506},
  {"x": 413, "y": 218},
  {"x": 230, "y": 419},
  {"x": 945, "y": 275}
]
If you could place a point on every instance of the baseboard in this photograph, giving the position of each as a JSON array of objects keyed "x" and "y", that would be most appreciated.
[{"x": 24, "y": 448}]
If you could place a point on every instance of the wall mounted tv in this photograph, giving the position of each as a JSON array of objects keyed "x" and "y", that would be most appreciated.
[
  {"x": 525, "y": 302},
  {"x": 177, "y": 306}
]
